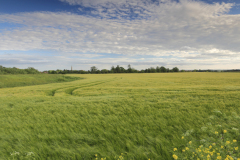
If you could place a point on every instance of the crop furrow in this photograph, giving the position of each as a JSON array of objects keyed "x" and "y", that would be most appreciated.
[
  {"x": 71, "y": 90},
  {"x": 52, "y": 92}
]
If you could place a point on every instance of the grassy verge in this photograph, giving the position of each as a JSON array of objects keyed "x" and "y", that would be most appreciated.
[{"x": 34, "y": 79}]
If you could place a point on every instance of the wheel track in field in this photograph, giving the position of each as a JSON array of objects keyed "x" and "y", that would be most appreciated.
[
  {"x": 70, "y": 89},
  {"x": 52, "y": 92}
]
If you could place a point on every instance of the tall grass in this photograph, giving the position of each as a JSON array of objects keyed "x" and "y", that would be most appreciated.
[
  {"x": 32, "y": 79},
  {"x": 135, "y": 116}
]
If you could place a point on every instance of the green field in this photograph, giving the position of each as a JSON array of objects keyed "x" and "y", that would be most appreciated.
[
  {"x": 134, "y": 116},
  {"x": 32, "y": 79}
]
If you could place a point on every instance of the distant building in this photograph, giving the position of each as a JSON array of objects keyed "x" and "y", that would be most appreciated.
[{"x": 71, "y": 68}]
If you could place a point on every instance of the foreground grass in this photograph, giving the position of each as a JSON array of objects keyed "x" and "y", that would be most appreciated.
[
  {"x": 136, "y": 116},
  {"x": 32, "y": 79}
]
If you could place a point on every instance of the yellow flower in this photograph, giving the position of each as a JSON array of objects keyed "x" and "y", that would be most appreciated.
[
  {"x": 227, "y": 142},
  {"x": 222, "y": 146},
  {"x": 190, "y": 142},
  {"x": 182, "y": 137},
  {"x": 183, "y": 150},
  {"x": 210, "y": 147},
  {"x": 238, "y": 159},
  {"x": 187, "y": 148},
  {"x": 174, "y": 149},
  {"x": 175, "y": 156},
  {"x": 236, "y": 148},
  {"x": 219, "y": 157},
  {"x": 224, "y": 131},
  {"x": 214, "y": 144},
  {"x": 229, "y": 157},
  {"x": 96, "y": 155},
  {"x": 218, "y": 154},
  {"x": 216, "y": 132},
  {"x": 234, "y": 140}
]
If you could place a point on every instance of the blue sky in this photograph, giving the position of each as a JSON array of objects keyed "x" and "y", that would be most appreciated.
[{"x": 58, "y": 34}]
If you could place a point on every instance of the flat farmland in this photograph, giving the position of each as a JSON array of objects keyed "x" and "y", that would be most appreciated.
[{"x": 113, "y": 116}]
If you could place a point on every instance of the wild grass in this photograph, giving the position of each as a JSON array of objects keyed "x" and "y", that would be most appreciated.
[
  {"x": 32, "y": 79},
  {"x": 135, "y": 116},
  {"x": 215, "y": 140}
]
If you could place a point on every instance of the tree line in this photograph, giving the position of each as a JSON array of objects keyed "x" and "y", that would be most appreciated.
[
  {"x": 117, "y": 69},
  {"x": 95, "y": 70},
  {"x": 14, "y": 70}
]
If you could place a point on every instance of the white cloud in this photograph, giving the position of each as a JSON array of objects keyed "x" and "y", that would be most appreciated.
[
  {"x": 186, "y": 30},
  {"x": 83, "y": 63}
]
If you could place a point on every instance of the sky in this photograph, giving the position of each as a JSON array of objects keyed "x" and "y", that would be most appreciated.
[{"x": 58, "y": 34}]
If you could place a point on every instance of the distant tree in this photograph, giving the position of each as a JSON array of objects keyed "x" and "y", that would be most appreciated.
[
  {"x": 175, "y": 69},
  {"x": 104, "y": 71},
  {"x": 93, "y": 69},
  {"x": 152, "y": 70},
  {"x": 30, "y": 70},
  {"x": 157, "y": 69},
  {"x": 134, "y": 70},
  {"x": 117, "y": 69},
  {"x": 167, "y": 70},
  {"x": 98, "y": 71},
  {"x": 129, "y": 68},
  {"x": 82, "y": 72},
  {"x": 163, "y": 69},
  {"x": 59, "y": 71},
  {"x": 112, "y": 69},
  {"x": 122, "y": 70},
  {"x": 52, "y": 72}
]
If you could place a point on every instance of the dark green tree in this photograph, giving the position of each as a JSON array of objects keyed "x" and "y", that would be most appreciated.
[
  {"x": 163, "y": 69},
  {"x": 104, "y": 71},
  {"x": 129, "y": 68},
  {"x": 112, "y": 69},
  {"x": 117, "y": 69},
  {"x": 93, "y": 69},
  {"x": 175, "y": 69},
  {"x": 122, "y": 70}
]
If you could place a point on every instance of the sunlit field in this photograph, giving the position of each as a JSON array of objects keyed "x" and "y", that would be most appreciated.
[{"x": 116, "y": 116}]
